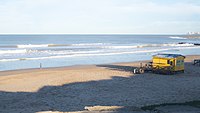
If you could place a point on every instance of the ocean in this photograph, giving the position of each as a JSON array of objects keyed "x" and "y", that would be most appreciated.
[{"x": 29, "y": 51}]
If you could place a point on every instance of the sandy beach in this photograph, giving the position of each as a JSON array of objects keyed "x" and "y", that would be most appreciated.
[{"x": 70, "y": 89}]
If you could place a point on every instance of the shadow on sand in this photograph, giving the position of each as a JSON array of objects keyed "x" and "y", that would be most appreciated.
[
  {"x": 118, "y": 67},
  {"x": 139, "y": 90}
]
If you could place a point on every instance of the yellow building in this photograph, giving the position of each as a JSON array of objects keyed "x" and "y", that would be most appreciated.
[{"x": 168, "y": 63}]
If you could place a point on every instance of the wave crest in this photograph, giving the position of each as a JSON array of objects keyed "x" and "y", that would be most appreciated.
[
  {"x": 32, "y": 46},
  {"x": 176, "y": 37},
  {"x": 12, "y": 51}
]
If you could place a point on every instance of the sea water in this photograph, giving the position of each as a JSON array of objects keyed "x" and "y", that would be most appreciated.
[{"x": 29, "y": 51}]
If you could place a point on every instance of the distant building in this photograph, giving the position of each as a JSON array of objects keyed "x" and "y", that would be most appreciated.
[{"x": 193, "y": 33}]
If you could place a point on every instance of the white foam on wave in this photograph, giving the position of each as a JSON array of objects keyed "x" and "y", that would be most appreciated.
[
  {"x": 102, "y": 45},
  {"x": 167, "y": 44},
  {"x": 90, "y": 44},
  {"x": 120, "y": 47},
  {"x": 8, "y": 60},
  {"x": 176, "y": 37},
  {"x": 13, "y": 51},
  {"x": 32, "y": 46},
  {"x": 104, "y": 48},
  {"x": 189, "y": 47},
  {"x": 57, "y": 45},
  {"x": 71, "y": 52},
  {"x": 84, "y": 55},
  {"x": 104, "y": 52},
  {"x": 149, "y": 45},
  {"x": 178, "y": 45}
]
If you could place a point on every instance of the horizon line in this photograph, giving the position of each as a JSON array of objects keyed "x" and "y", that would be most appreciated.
[{"x": 92, "y": 34}]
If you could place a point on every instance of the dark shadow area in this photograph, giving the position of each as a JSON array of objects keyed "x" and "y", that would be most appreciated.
[
  {"x": 136, "y": 91},
  {"x": 118, "y": 67},
  {"x": 191, "y": 69},
  {"x": 190, "y": 103}
]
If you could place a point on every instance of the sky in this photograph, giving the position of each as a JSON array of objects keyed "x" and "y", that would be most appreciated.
[{"x": 99, "y": 16}]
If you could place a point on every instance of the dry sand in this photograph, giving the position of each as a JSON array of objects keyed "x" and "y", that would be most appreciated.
[{"x": 68, "y": 89}]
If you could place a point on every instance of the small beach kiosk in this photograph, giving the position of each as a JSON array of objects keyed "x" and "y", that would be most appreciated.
[{"x": 168, "y": 63}]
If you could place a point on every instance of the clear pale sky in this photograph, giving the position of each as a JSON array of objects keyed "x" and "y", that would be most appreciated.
[{"x": 99, "y": 16}]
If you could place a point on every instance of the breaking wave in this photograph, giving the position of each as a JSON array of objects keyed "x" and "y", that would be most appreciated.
[
  {"x": 151, "y": 45},
  {"x": 96, "y": 53},
  {"x": 90, "y": 44},
  {"x": 52, "y": 51},
  {"x": 56, "y": 45},
  {"x": 13, "y": 51},
  {"x": 32, "y": 46},
  {"x": 101, "y": 45},
  {"x": 36, "y": 50},
  {"x": 176, "y": 37},
  {"x": 82, "y": 55}
]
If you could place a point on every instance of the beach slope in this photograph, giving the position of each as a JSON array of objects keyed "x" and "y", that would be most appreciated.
[{"x": 69, "y": 89}]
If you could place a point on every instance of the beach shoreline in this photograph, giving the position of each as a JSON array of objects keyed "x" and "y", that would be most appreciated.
[
  {"x": 85, "y": 65},
  {"x": 71, "y": 88}
]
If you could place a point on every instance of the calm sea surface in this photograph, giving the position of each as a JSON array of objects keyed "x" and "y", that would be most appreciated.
[{"x": 28, "y": 51}]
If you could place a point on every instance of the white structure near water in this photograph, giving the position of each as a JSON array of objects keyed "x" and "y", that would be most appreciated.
[{"x": 193, "y": 33}]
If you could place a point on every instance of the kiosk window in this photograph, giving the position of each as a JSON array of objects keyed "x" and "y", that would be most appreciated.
[
  {"x": 171, "y": 63},
  {"x": 168, "y": 61}
]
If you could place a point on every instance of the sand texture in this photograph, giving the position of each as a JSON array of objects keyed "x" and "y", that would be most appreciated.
[{"x": 71, "y": 89}]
